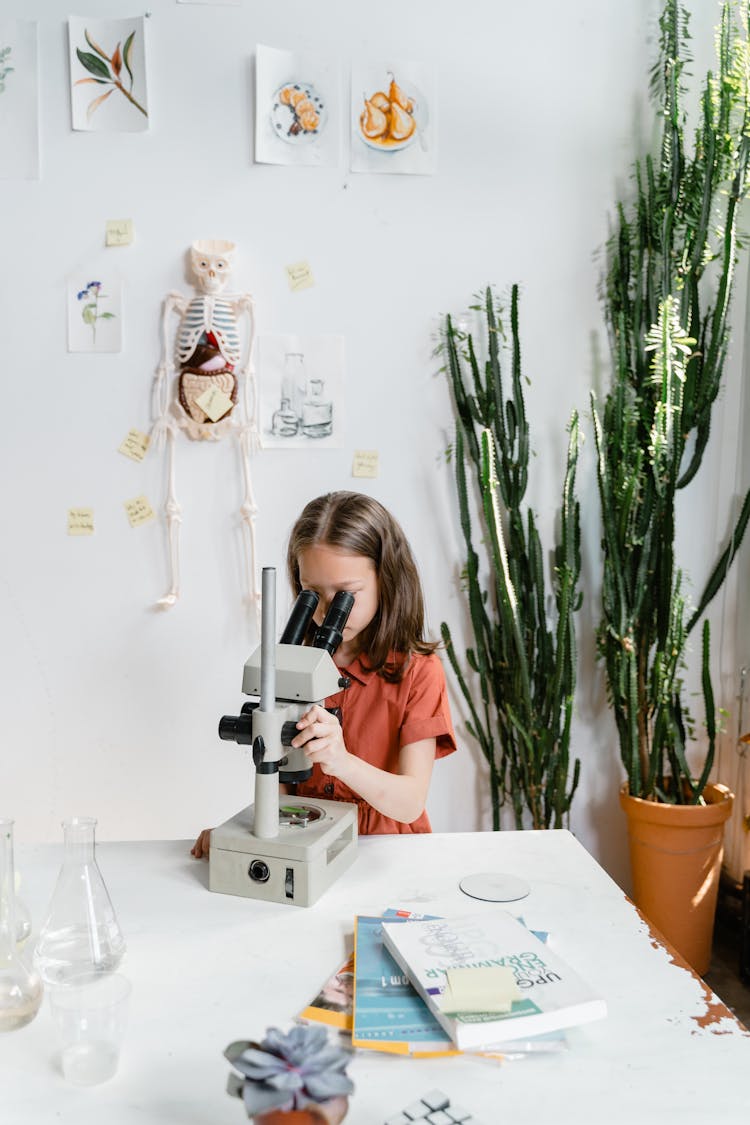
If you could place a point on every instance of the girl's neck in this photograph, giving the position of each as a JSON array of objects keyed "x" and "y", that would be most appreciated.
[{"x": 345, "y": 654}]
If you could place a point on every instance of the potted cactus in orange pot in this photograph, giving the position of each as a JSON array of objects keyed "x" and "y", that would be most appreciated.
[{"x": 667, "y": 292}]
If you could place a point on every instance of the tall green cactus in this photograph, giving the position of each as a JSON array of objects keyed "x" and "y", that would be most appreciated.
[
  {"x": 667, "y": 292},
  {"x": 525, "y": 673}
]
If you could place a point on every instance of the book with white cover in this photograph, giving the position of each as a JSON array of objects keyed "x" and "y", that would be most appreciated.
[{"x": 552, "y": 995}]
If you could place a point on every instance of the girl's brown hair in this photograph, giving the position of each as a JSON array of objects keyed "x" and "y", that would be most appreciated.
[{"x": 360, "y": 525}]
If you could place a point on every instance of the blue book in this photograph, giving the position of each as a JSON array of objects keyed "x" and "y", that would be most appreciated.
[{"x": 388, "y": 1013}]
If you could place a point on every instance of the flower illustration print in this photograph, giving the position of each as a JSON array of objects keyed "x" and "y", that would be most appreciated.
[{"x": 91, "y": 296}]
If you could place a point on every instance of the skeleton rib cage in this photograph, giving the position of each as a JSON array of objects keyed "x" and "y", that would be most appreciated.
[{"x": 209, "y": 314}]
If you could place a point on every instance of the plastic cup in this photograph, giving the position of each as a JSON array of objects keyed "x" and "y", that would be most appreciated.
[{"x": 90, "y": 1014}]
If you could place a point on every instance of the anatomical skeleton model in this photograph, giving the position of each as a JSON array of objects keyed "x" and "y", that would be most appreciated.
[{"x": 205, "y": 385}]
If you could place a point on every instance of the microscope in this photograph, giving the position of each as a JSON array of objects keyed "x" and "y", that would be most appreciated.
[{"x": 283, "y": 848}]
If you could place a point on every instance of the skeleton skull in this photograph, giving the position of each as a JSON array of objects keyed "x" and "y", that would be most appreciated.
[{"x": 211, "y": 259}]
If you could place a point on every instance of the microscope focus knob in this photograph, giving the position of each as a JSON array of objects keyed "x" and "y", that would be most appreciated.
[
  {"x": 259, "y": 749},
  {"x": 288, "y": 731}
]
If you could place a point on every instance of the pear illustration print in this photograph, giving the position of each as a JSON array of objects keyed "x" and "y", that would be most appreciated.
[{"x": 388, "y": 121}]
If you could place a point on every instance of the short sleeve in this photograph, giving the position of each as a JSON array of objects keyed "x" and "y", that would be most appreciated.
[{"x": 427, "y": 713}]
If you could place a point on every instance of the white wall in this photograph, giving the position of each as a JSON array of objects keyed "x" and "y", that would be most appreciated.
[{"x": 110, "y": 707}]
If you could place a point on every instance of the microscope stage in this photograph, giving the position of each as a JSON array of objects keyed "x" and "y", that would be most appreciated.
[{"x": 317, "y": 840}]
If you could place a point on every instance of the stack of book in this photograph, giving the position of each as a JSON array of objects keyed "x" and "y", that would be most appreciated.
[{"x": 422, "y": 985}]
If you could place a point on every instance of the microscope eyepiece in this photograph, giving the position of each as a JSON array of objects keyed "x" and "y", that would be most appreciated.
[
  {"x": 299, "y": 619},
  {"x": 329, "y": 635},
  {"x": 237, "y": 728}
]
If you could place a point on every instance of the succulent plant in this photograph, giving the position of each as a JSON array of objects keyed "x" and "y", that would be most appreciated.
[{"x": 287, "y": 1070}]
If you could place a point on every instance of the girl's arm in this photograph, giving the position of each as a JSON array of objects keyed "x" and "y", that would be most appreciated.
[{"x": 400, "y": 796}]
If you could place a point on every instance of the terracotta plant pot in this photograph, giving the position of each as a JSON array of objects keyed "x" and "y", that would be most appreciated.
[
  {"x": 675, "y": 858},
  {"x": 315, "y": 1113},
  {"x": 289, "y": 1117}
]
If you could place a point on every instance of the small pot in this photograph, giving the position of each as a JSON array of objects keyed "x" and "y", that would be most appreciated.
[{"x": 331, "y": 1112}]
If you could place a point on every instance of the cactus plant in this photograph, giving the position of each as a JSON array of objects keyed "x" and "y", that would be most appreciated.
[
  {"x": 524, "y": 672},
  {"x": 667, "y": 290}
]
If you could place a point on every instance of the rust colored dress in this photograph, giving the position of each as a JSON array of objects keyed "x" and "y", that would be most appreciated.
[{"x": 378, "y": 719}]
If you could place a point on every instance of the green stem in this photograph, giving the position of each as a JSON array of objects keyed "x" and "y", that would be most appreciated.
[{"x": 130, "y": 97}]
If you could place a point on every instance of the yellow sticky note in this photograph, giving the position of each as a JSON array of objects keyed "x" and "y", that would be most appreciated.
[
  {"x": 480, "y": 989},
  {"x": 299, "y": 275},
  {"x": 118, "y": 232},
  {"x": 139, "y": 511},
  {"x": 365, "y": 463},
  {"x": 80, "y": 521},
  {"x": 135, "y": 445},
  {"x": 214, "y": 403}
]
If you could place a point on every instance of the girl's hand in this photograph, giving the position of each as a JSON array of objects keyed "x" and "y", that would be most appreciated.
[
  {"x": 321, "y": 736},
  {"x": 202, "y": 845}
]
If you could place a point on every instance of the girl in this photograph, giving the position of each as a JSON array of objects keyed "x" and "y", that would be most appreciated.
[{"x": 395, "y": 718}]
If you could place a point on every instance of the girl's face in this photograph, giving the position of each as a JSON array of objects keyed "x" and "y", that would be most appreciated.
[{"x": 326, "y": 570}]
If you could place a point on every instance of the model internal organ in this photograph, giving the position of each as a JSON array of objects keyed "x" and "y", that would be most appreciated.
[
  {"x": 198, "y": 384},
  {"x": 388, "y": 119},
  {"x": 208, "y": 351},
  {"x": 305, "y": 116}
]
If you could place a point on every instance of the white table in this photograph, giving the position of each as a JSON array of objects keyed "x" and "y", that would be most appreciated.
[{"x": 208, "y": 969}]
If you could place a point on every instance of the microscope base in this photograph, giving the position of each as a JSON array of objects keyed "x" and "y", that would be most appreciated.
[{"x": 296, "y": 866}]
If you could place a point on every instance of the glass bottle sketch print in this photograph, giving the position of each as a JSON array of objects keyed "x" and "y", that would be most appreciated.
[
  {"x": 303, "y": 408},
  {"x": 294, "y": 381},
  {"x": 301, "y": 390},
  {"x": 285, "y": 422},
  {"x": 317, "y": 412}
]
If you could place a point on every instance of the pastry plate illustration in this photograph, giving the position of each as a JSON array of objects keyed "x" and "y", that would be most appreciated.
[{"x": 298, "y": 113}]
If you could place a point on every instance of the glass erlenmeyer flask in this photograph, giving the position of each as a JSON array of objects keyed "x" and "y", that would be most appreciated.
[
  {"x": 23, "y": 919},
  {"x": 81, "y": 933},
  {"x": 20, "y": 988}
]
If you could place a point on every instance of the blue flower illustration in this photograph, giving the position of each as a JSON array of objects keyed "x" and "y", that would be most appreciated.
[{"x": 90, "y": 311}]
